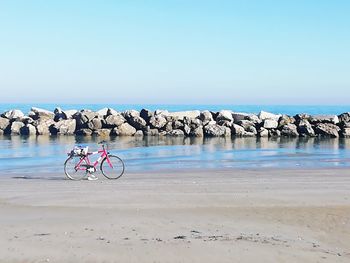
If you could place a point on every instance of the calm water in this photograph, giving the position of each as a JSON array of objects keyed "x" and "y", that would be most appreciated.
[
  {"x": 45, "y": 154},
  {"x": 284, "y": 109}
]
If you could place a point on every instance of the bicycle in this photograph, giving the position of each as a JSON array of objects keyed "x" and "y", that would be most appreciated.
[{"x": 78, "y": 164}]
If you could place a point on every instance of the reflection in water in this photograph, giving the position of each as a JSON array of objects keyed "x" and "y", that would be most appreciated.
[{"x": 47, "y": 153}]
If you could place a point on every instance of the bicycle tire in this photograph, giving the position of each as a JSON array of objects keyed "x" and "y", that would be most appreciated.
[
  {"x": 70, "y": 171},
  {"x": 114, "y": 172}
]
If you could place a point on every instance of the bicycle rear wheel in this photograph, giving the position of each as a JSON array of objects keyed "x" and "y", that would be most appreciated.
[
  {"x": 113, "y": 169},
  {"x": 72, "y": 172}
]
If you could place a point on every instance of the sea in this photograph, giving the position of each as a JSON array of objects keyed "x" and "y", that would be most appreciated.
[{"x": 20, "y": 155}]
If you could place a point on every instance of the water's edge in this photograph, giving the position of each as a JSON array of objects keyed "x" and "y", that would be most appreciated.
[{"x": 46, "y": 154}]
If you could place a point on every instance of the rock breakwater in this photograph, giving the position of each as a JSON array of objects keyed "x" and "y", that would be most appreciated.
[{"x": 225, "y": 123}]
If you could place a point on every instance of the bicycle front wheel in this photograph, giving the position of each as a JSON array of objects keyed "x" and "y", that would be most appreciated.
[
  {"x": 112, "y": 167},
  {"x": 73, "y": 171}
]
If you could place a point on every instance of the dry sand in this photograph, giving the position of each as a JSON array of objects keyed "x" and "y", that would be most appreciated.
[{"x": 209, "y": 216}]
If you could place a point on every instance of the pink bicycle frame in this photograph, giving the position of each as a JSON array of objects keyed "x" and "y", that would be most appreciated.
[{"x": 104, "y": 154}]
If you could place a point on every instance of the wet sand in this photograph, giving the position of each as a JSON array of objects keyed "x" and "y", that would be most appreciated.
[{"x": 208, "y": 216}]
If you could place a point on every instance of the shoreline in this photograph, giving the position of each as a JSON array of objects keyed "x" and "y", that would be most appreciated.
[{"x": 239, "y": 215}]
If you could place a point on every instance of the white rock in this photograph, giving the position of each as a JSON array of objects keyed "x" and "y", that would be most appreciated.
[
  {"x": 42, "y": 113},
  {"x": 225, "y": 115},
  {"x": 124, "y": 130},
  {"x": 270, "y": 124},
  {"x": 324, "y": 119},
  {"x": 4, "y": 123},
  {"x": 161, "y": 112},
  {"x": 13, "y": 114},
  {"x": 103, "y": 111},
  {"x": 112, "y": 112},
  {"x": 240, "y": 116},
  {"x": 180, "y": 115},
  {"x": 237, "y": 130},
  {"x": 69, "y": 113},
  {"x": 263, "y": 115},
  {"x": 263, "y": 132},
  {"x": 16, "y": 127}
]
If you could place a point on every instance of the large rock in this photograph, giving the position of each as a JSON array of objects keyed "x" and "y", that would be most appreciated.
[
  {"x": 344, "y": 117},
  {"x": 178, "y": 125},
  {"x": 215, "y": 130},
  {"x": 13, "y": 114},
  {"x": 134, "y": 119},
  {"x": 124, "y": 130},
  {"x": 324, "y": 119},
  {"x": 224, "y": 117},
  {"x": 254, "y": 118},
  {"x": 130, "y": 113},
  {"x": 112, "y": 112},
  {"x": 270, "y": 124},
  {"x": 239, "y": 116},
  {"x": 42, "y": 126},
  {"x": 161, "y": 113},
  {"x": 346, "y": 125},
  {"x": 187, "y": 130},
  {"x": 4, "y": 123},
  {"x": 103, "y": 112},
  {"x": 41, "y": 114},
  {"x": 302, "y": 116},
  {"x": 345, "y": 132},
  {"x": 176, "y": 133},
  {"x": 59, "y": 115},
  {"x": 69, "y": 113},
  {"x": 180, "y": 115},
  {"x": 237, "y": 130},
  {"x": 171, "y": 118},
  {"x": 169, "y": 127},
  {"x": 289, "y": 130},
  {"x": 84, "y": 117},
  {"x": 197, "y": 132},
  {"x": 63, "y": 115},
  {"x": 262, "y": 132},
  {"x": 285, "y": 119},
  {"x": 114, "y": 120},
  {"x": 64, "y": 127},
  {"x": 146, "y": 115},
  {"x": 245, "y": 124},
  {"x": 263, "y": 115},
  {"x": 251, "y": 129},
  {"x": 192, "y": 123},
  {"x": 16, "y": 127},
  {"x": 27, "y": 120},
  {"x": 305, "y": 128},
  {"x": 206, "y": 117},
  {"x": 150, "y": 132},
  {"x": 95, "y": 124},
  {"x": 28, "y": 129},
  {"x": 137, "y": 122},
  {"x": 158, "y": 121},
  {"x": 327, "y": 130}
]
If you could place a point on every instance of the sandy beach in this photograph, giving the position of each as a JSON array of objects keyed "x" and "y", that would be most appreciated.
[{"x": 209, "y": 216}]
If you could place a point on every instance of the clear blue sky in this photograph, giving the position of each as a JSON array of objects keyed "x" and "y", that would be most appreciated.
[{"x": 220, "y": 52}]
